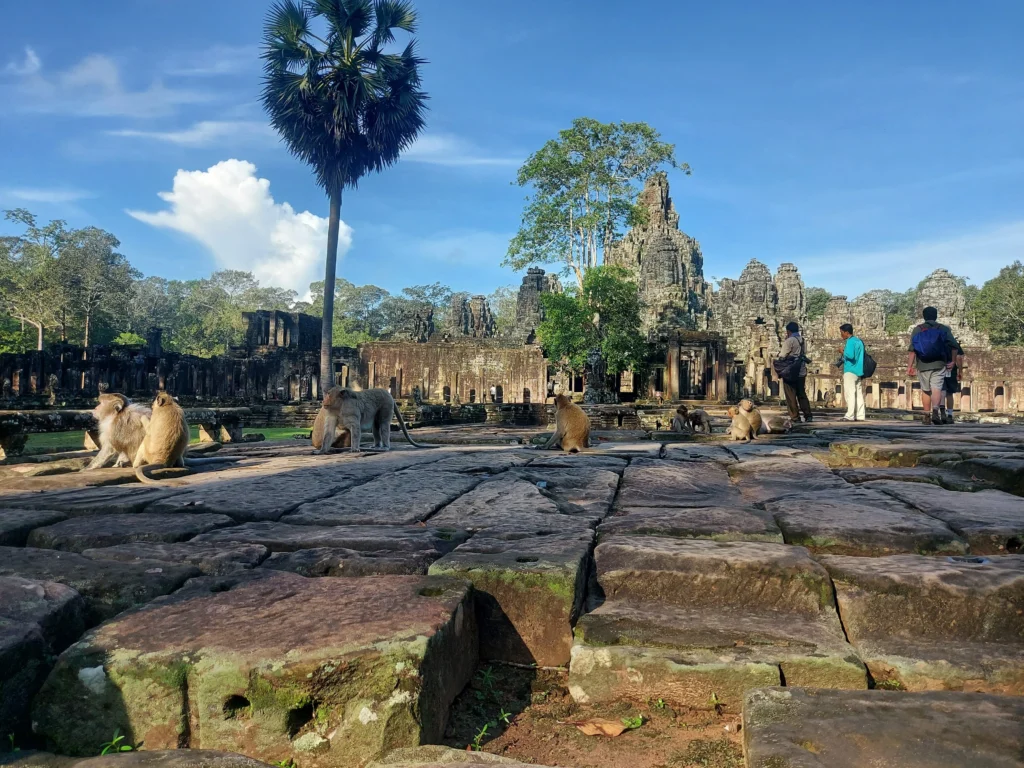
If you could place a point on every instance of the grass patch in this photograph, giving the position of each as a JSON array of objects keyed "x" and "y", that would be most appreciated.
[{"x": 75, "y": 441}]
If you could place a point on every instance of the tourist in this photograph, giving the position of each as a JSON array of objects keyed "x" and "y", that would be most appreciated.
[
  {"x": 951, "y": 381},
  {"x": 931, "y": 355},
  {"x": 791, "y": 367},
  {"x": 853, "y": 374}
]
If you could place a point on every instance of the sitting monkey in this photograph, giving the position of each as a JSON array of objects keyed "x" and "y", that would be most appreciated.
[
  {"x": 741, "y": 429},
  {"x": 680, "y": 422},
  {"x": 351, "y": 410},
  {"x": 780, "y": 424},
  {"x": 342, "y": 438},
  {"x": 700, "y": 421},
  {"x": 572, "y": 427},
  {"x": 753, "y": 416}
]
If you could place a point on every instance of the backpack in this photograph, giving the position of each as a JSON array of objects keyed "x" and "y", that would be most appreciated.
[
  {"x": 930, "y": 344},
  {"x": 869, "y": 365}
]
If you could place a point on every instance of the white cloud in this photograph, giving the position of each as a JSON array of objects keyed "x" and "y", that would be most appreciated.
[
  {"x": 207, "y": 132},
  {"x": 977, "y": 255},
  {"x": 214, "y": 61},
  {"x": 447, "y": 149},
  {"x": 93, "y": 88},
  {"x": 231, "y": 212},
  {"x": 40, "y": 195}
]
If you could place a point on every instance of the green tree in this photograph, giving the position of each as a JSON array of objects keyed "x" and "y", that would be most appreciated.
[
  {"x": 342, "y": 103},
  {"x": 358, "y": 312},
  {"x": 605, "y": 315},
  {"x": 30, "y": 289},
  {"x": 127, "y": 339},
  {"x": 899, "y": 307},
  {"x": 999, "y": 306},
  {"x": 584, "y": 186},
  {"x": 503, "y": 303},
  {"x": 98, "y": 279},
  {"x": 816, "y": 299}
]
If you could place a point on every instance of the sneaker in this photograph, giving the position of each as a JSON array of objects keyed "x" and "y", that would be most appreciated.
[
  {"x": 937, "y": 418},
  {"x": 927, "y": 418},
  {"x": 949, "y": 419}
]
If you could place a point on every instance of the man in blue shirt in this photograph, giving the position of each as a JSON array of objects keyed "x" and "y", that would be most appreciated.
[{"x": 853, "y": 374}]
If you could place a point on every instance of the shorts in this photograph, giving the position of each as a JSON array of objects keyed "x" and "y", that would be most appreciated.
[
  {"x": 952, "y": 384},
  {"x": 932, "y": 380}
]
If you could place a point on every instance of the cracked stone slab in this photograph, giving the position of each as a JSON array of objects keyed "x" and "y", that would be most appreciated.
[
  {"x": 579, "y": 461},
  {"x": 698, "y": 452},
  {"x": 1005, "y": 474},
  {"x": 57, "y": 610},
  {"x": 16, "y": 524},
  {"x": 400, "y": 498},
  {"x": 716, "y": 523},
  {"x": 107, "y": 587},
  {"x": 698, "y": 573},
  {"x": 812, "y": 728},
  {"x": 943, "y": 478},
  {"x": 83, "y": 533},
  {"x": 774, "y": 477},
  {"x": 861, "y": 522},
  {"x": 327, "y": 561},
  {"x": 662, "y": 483},
  {"x": 213, "y": 559},
  {"x": 348, "y": 667},
  {"x": 24, "y": 663},
  {"x": 810, "y": 651},
  {"x": 482, "y": 462},
  {"x": 281, "y": 537},
  {"x": 575, "y": 491},
  {"x": 113, "y": 499},
  {"x": 528, "y": 592},
  {"x": 991, "y": 521}
]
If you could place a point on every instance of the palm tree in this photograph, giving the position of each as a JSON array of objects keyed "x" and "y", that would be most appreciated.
[{"x": 341, "y": 102}]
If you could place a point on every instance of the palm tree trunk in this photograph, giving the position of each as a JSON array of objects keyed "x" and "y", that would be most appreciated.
[{"x": 327, "y": 334}]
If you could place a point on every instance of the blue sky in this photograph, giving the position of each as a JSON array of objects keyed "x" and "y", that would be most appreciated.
[{"x": 868, "y": 143}]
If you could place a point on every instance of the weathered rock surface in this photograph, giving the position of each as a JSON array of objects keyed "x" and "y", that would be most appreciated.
[
  {"x": 774, "y": 477},
  {"x": 575, "y": 491},
  {"x": 658, "y": 483},
  {"x": 481, "y": 462},
  {"x": 108, "y": 587},
  {"x": 579, "y": 461},
  {"x": 717, "y": 523},
  {"x": 111, "y": 499},
  {"x": 698, "y": 452},
  {"x": 16, "y": 524},
  {"x": 925, "y": 623},
  {"x": 158, "y": 758},
  {"x": 528, "y": 592},
  {"x": 213, "y": 559},
  {"x": 350, "y": 669},
  {"x": 325, "y": 561},
  {"x": 991, "y": 521},
  {"x": 400, "y": 498},
  {"x": 56, "y": 609},
  {"x": 433, "y": 755},
  {"x": 1006, "y": 474},
  {"x": 79, "y": 534},
  {"x": 807, "y": 728},
  {"x": 858, "y": 522},
  {"x": 933, "y": 475},
  {"x": 24, "y": 662},
  {"x": 281, "y": 537}
]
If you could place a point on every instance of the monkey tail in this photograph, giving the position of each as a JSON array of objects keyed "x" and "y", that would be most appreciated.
[
  {"x": 207, "y": 460},
  {"x": 144, "y": 476},
  {"x": 401, "y": 423}
]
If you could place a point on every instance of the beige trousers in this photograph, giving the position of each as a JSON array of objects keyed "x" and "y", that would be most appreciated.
[{"x": 853, "y": 391}]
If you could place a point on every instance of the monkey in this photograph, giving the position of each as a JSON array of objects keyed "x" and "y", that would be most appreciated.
[
  {"x": 741, "y": 429},
  {"x": 352, "y": 409},
  {"x": 753, "y": 416},
  {"x": 121, "y": 430},
  {"x": 680, "y": 422},
  {"x": 342, "y": 438},
  {"x": 780, "y": 424},
  {"x": 572, "y": 427},
  {"x": 166, "y": 438},
  {"x": 699, "y": 421}
]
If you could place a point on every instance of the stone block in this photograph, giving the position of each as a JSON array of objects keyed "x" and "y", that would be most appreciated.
[
  {"x": 16, "y": 524},
  {"x": 325, "y": 672},
  {"x": 210, "y": 558},
  {"x": 24, "y": 662},
  {"x": 579, "y": 461},
  {"x": 809, "y": 728},
  {"x": 716, "y": 523},
  {"x": 660, "y": 483},
  {"x": 575, "y": 491},
  {"x": 773, "y": 477},
  {"x": 281, "y": 537},
  {"x": 857, "y": 522},
  {"x": 79, "y": 534},
  {"x": 399, "y": 498},
  {"x": 56, "y": 609},
  {"x": 98, "y": 500},
  {"x": 107, "y": 587},
  {"x": 991, "y": 521},
  {"x": 528, "y": 592},
  {"x": 327, "y": 561}
]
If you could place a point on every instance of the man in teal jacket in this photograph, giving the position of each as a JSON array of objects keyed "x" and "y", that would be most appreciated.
[{"x": 853, "y": 374}]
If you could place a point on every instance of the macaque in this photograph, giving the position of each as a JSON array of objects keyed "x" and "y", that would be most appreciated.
[
  {"x": 351, "y": 410},
  {"x": 572, "y": 427}
]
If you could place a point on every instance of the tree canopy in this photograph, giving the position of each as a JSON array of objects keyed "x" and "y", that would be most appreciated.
[
  {"x": 605, "y": 315},
  {"x": 583, "y": 190},
  {"x": 999, "y": 306}
]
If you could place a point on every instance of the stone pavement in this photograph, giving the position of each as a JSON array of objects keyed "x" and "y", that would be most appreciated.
[{"x": 329, "y": 609}]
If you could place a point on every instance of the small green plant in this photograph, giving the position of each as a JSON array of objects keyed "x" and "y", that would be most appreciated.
[
  {"x": 717, "y": 703},
  {"x": 487, "y": 677},
  {"x": 660, "y": 704},
  {"x": 15, "y": 748},
  {"x": 478, "y": 739},
  {"x": 289, "y": 763},
  {"x": 504, "y": 716},
  {"x": 632, "y": 723},
  {"x": 115, "y": 745}
]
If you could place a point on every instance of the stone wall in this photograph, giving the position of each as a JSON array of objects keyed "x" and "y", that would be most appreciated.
[{"x": 529, "y": 310}]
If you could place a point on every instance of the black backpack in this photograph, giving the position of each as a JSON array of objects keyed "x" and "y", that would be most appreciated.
[{"x": 869, "y": 365}]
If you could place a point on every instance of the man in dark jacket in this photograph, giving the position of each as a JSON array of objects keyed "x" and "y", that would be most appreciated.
[
  {"x": 794, "y": 382},
  {"x": 931, "y": 355}
]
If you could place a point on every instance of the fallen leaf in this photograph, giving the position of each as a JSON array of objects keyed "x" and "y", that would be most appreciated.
[{"x": 600, "y": 727}]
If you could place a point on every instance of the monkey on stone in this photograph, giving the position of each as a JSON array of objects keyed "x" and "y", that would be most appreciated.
[
  {"x": 342, "y": 438},
  {"x": 753, "y": 415},
  {"x": 122, "y": 432},
  {"x": 352, "y": 410},
  {"x": 680, "y": 422},
  {"x": 572, "y": 427},
  {"x": 699, "y": 421},
  {"x": 166, "y": 438},
  {"x": 780, "y": 424},
  {"x": 741, "y": 429}
]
